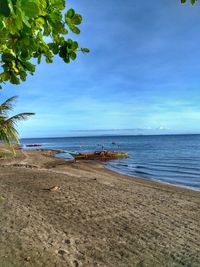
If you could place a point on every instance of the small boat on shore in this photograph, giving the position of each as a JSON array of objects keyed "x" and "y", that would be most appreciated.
[
  {"x": 100, "y": 155},
  {"x": 33, "y": 145}
]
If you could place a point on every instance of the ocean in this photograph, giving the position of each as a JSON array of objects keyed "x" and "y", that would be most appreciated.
[{"x": 173, "y": 159}]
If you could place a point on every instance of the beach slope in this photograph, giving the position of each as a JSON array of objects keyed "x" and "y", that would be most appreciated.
[{"x": 59, "y": 213}]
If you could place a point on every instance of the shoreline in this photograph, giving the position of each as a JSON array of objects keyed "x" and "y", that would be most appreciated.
[
  {"x": 157, "y": 181},
  {"x": 60, "y": 213},
  {"x": 120, "y": 173},
  {"x": 131, "y": 176}
]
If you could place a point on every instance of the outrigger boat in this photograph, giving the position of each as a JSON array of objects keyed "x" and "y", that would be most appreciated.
[{"x": 100, "y": 155}]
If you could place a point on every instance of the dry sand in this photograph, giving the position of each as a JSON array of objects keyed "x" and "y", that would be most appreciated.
[{"x": 59, "y": 213}]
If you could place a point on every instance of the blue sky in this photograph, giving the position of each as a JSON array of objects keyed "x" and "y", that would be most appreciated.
[{"x": 141, "y": 76}]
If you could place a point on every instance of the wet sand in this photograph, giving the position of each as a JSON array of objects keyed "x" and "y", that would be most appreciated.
[{"x": 59, "y": 213}]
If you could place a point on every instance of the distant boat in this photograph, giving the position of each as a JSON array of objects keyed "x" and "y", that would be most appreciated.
[
  {"x": 33, "y": 145},
  {"x": 100, "y": 155}
]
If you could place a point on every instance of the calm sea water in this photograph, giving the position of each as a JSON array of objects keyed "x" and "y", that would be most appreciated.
[{"x": 173, "y": 159}]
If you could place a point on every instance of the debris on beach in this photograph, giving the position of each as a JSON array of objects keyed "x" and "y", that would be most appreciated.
[{"x": 53, "y": 188}]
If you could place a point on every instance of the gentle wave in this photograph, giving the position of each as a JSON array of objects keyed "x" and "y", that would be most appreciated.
[{"x": 174, "y": 170}]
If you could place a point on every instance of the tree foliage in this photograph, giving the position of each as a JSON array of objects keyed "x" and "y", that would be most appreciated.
[
  {"x": 191, "y": 1},
  {"x": 8, "y": 132},
  {"x": 34, "y": 29}
]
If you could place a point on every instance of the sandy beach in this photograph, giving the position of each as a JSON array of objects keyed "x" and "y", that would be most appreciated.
[{"x": 59, "y": 213}]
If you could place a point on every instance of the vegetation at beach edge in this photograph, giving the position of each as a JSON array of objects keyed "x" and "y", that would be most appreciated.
[
  {"x": 5, "y": 154},
  {"x": 8, "y": 132}
]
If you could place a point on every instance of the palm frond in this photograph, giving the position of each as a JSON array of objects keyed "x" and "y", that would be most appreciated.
[
  {"x": 8, "y": 132},
  {"x": 19, "y": 117},
  {"x": 7, "y": 105},
  {"x": 4, "y": 137}
]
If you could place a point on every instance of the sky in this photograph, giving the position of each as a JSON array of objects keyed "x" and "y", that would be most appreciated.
[{"x": 142, "y": 75}]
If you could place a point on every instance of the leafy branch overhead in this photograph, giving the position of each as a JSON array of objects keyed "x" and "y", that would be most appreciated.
[
  {"x": 191, "y": 1},
  {"x": 34, "y": 29}
]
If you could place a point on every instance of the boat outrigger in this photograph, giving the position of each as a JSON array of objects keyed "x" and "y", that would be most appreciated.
[{"x": 100, "y": 155}]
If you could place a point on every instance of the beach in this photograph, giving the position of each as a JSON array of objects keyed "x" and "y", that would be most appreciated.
[{"x": 64, "y": 213}]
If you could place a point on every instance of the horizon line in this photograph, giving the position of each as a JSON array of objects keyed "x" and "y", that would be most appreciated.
[{"x": 108, "y": 135}]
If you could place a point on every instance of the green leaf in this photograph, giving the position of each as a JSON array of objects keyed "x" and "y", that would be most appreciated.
[
  {"x": 62, "y": 51},
  {"x": 73, "y": 55},
  {"x": 54, "y": 48},
  {"x": 47, "y": 29},
  {"x": 191, "y": 1},
  {"x": 39, "y": 58},
  {"x": 39, "y": 22},
  {"x": 14, "y": 79},
  {"x": 10, "y": 5},
  {"x": 66, "y": 59},
  {"x": 5, "y": 76},
  {"x": 30, "y": 8},
  {"x": 7, "y": 57},
  {"x": 75, "y": 30},
  {"x": 25, "y": 54},
  {"x": 74, "y": 46},
  {"x": 29, "y": 66},
  {"x": 85, "y": 50},
  {"x": 2, "y": 23},
  {"x": 14, "y": 2},
  {"x": 55, "y": 17},
  {"x": 49, "y": 57},
  {"x": 76, "y": 19},
  {"x": 70, "y": 13},
  {"x": 59, "y": 4},
  {"x": 23, "y": 76},
  {"x": 48, "y": 60},
  {"x": 4, "y": 8},
  {"x": 43, "y": 7}
]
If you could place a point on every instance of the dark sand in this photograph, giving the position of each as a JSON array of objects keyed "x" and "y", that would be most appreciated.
[{"x": 92, "y": 216}]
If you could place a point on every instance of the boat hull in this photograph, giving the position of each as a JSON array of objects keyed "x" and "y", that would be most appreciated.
[
  {"x": 33, "y": 145},
  {"x": 103, "y": 157}
]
